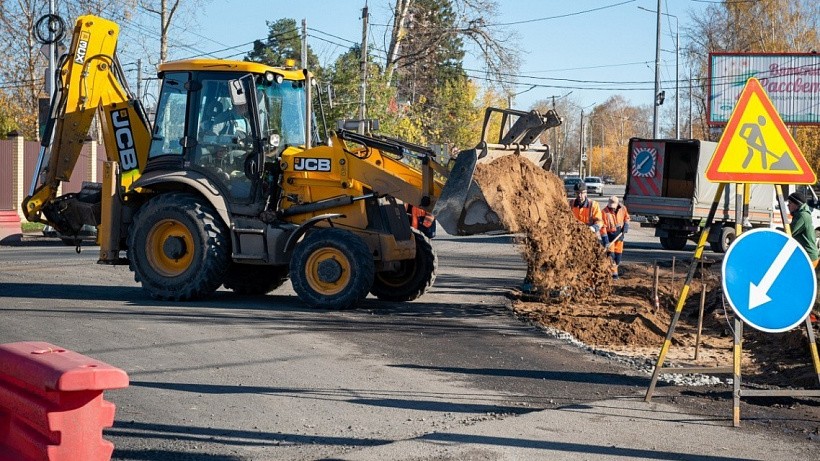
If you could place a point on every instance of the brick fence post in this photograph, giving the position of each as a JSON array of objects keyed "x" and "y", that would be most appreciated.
[
  {"x": 18, "y": 160},
  {"x": 10, "y": 224}
]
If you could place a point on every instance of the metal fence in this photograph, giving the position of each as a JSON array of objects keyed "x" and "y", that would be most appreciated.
[{"x": 18, "y": 161}]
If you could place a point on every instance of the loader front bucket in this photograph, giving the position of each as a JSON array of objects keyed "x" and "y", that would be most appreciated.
[{"x": 461, "y": 208}]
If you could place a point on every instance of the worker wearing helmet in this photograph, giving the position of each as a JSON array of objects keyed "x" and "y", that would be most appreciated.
[
  {"x": 587, "y": 211},
  {"x": 615, "y": 219}
]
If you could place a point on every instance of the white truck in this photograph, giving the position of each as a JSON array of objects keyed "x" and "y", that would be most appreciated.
[{"x": 666, "y": 184}]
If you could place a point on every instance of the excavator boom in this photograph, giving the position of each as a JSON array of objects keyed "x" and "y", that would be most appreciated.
[{"x": 91, "y": 69}]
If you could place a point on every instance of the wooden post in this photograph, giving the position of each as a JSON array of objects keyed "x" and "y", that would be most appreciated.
[
  {"x": 655, "y": 288},
  {"x": 700, "y": 319}
]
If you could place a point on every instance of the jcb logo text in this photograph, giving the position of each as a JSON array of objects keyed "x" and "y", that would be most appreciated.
[
  {"x": 311, "y": 164},
  {"x": 125, "y": 139}
]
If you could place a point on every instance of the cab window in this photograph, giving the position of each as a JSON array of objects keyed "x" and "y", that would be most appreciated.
[{"x": 169, "y": 127}]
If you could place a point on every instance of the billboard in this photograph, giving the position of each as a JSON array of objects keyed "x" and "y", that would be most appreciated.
[{"x": 792, "y": 81}]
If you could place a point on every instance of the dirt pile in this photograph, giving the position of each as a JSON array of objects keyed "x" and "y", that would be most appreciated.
[{"x": 565, "y": 260}]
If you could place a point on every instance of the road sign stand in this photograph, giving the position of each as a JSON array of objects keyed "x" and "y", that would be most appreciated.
[{"x": 737, "y": 350}]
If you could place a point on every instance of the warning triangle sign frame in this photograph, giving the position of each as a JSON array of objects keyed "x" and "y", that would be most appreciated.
[{"x": 754, "y": 88}]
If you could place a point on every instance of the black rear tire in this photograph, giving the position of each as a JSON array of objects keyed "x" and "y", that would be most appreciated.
[
  {"x": 331, "y": 269},
  {"x": 727, "y": 236},
  {"x": 675, "y": 243},
  {"x": 254, "y": 279},
  {"x": 412, "y": 278},
  {"x": 178, "y": 247}
]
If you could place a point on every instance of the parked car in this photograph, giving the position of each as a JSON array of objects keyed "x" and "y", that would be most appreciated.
[
  {"x": 609, "y": 180},
  {"x": 594, "y": 185},
  {"x": 569, "y": 185}
]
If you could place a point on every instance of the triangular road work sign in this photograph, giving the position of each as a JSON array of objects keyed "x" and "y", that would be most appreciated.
[{"x": 756, "y": 147}]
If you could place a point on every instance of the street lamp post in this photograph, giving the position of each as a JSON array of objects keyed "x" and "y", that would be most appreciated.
[{"x": 657, "y": 74}]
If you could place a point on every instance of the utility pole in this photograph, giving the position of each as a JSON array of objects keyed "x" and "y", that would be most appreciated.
[
  {"x": 677, "y": 79},
  {"x": 602, "y": 151},
  {"x": 363, "y": 92},
  {"x": 555, "y": 141},
  {"x": 690, "y": 103},
  {"x": 581, "y": 147},
  {"x": 304, "y": 44},
  {"x": 139, "y": 79},
  {"x": 657, "y": 73}
]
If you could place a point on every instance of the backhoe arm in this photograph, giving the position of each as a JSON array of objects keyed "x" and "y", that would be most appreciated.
[{"x": 91, "y": 83}]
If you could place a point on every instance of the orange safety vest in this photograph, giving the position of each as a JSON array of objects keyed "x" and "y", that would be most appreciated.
[
  {"x": 614, "y": 219},
  {"x": 418, "y": 217},
  {"x": 588, "y": 213}
]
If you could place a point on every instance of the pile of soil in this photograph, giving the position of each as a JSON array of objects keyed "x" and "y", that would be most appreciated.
[
  {"x": 571, "y": 274},
  {"x": 565, "y": 260}
]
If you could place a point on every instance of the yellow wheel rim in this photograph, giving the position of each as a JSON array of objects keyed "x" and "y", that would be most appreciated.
[
  {"x": 170, "y": 232},
  {"x": 328, "y": 271}
]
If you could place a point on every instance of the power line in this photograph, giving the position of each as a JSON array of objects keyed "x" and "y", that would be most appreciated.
[
  {"x": 602, "y": 66},
  {"x": 526, "y": 21},
  {"x": 334, "y": 36}
]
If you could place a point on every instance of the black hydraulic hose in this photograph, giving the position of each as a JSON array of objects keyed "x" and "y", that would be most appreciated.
[
  {"x": 319, "y": 205},
  {"x": 119, "y": 74},
  {"x": 55, "y": 26}
]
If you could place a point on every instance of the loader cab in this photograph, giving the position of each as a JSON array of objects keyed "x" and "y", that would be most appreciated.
[{"x": 221, "y": 121}]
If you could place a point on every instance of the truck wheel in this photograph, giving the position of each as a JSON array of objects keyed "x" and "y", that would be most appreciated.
[
  {"x": 254, "y": 279},
  {"x": 412, "y": 278},
  {"x": 332, "y": 269},
  {"x": 727, "y": 236},
  {"x": 675, "y": 243},
  {"x": 178, "y": 248}
]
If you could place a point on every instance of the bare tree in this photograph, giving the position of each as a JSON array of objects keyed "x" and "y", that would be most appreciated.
[
  {"x": 471, "y": 21},
  {"x": 166, "y": 16},
  {"x": 22, "y": 76},
  {"x": 764, "y": 26}
]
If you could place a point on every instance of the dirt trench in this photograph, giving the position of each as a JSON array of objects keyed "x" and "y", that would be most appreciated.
[{"x": 574, "y": 291}]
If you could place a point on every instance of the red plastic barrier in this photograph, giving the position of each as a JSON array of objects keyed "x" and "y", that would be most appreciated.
[
  {"x": 51, "y": 404},
  {"x": 10, "y": 230}
]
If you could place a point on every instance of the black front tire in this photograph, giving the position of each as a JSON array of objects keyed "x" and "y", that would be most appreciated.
[
  {"x": 331, "y": 269},
  {"x": 254, "y": 279},
  {"x": 178, "y": 248},
  {"x": 412, "y": 278}
]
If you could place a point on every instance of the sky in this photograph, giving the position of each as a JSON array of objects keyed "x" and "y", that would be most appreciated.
[{"x": 567, "y": 46}]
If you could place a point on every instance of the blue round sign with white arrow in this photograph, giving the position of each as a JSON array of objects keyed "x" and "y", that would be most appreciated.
[{"x": 769, "y": 280}]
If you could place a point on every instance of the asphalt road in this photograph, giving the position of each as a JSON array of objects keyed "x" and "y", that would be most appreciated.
[{"x": 454, "y": 375}]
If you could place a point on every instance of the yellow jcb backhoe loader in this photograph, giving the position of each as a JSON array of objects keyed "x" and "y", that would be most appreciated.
[{"x": 232, "y": 185}]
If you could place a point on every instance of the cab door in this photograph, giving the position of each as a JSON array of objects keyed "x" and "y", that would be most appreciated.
[{"x": 224, "y": 133}]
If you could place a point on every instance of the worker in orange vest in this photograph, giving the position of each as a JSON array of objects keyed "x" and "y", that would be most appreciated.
[
  {"x": 588, "y": 212},
  {"x": 616, "y": 224},
  {"x": 421, "y": 220}
]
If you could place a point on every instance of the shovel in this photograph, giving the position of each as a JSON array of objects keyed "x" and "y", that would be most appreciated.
[{"x": 612, "y": 242}]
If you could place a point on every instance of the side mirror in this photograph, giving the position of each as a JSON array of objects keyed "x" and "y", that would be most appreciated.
[{"x": 237, "y": 93}]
